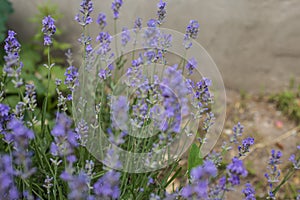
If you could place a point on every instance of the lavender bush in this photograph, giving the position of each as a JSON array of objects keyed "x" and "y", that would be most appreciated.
[{"x": 138, "y": 102}]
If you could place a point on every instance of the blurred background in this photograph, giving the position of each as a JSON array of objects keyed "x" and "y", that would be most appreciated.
[{"x": 255, "y": 44}]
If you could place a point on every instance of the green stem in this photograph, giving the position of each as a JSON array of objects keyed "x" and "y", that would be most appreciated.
[
  {"x": 47, "y": 94},
  {"x": 284, "y": 180}
]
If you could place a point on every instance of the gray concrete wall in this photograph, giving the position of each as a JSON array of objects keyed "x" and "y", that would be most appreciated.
[{"x": 255, "y": 43}]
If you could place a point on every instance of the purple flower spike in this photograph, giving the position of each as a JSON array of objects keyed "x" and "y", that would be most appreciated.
[
  {"x": 108, "y": 185},
  {"x": 84, "y": 17},
  {"x": 246, "y": 143},
  {"x": 104, "y": 38},
  {"x": 11, "y": 43},
  {"x": 191, "y": 65},
  {"x": 249, "y": 192},
  {"x": 161, "y": 13},
  {"x": 115, "y": 6},
  {"x": 71, "y": 80},
  {"x": 48, "y": 29},
  {"x": 125, "y": 36},
  {"x": 191, "y": 33},
  {"x": 152, "y": 23},
  {"x": 101, "y": 20},
  {"x": 137, "y": 24},
  {"x": 236, "y": 169}
]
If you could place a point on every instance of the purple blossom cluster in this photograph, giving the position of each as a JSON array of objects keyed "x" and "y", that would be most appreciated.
[
  {"x": 237, "y": 130},
  {"x": 161, "y": 12},
  {"x": 125, "y": 36},
  {"x": 274, "y": 171},
  {"x": 8, "y": 189},
  {"x": 71, "y": 80},
  {"x": 295, "y": 160},
  {"x": 235, "y": 170},
  {"x": 115, "y": 6},
  {"x": 137, "y": 24},
  {"x": 244, "y": 147},
  {"x": 201, "y": 95},
  {"x": 200, "y": 176},
  {"x": 64, "y": 137},
  {"x": 101, "y": 20},
  {"x": 5, "y": 118},
  {"x": 104, "y": 39},
  {"x": 84, "y": 17},
  {"x": 191, "y": 65},
  {"x": 107, "y": 187},
  {"x": 48, "y": 29},
  {"x": 249, "y": 192},
  {"x": 191, "y": 33},
  {"x": 13, "y": 66}
]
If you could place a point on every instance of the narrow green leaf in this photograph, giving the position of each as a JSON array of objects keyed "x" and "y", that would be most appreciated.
[{"x": 195, "y": 157}]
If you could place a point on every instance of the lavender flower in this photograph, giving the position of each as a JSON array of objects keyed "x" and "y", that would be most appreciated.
[
  {"x": 115, "y": 6},
  {"x": 112, "y": 158},
  {"x": 274, "y": 172},
  {"x": 8, "y": 190},
  {"x": 48, "y": 29},
  {"x": 192, "y": 29},
  {"x": 21, "y": 137},
  {"x": 191, "y": 65},
  {"x": 19, "y": 111},
  {"x": 116, "y": 139},
  {"x": 208, "y": 121},
  {"x": 294, "y": 160},
  {"x": 152, "y": 23},
  {"x": 161, "y": 13},
  {"x": 125, "y": 36},
  {"x": 71, "y": 80},
  {"x": 201, "y": 95},
  {"x": 12, "y": 46},
  {"x": 13, "y": 66},
  {"x": 137, "y": 24},
  {"x": 84, "y": 17},
  {"x": 237, "y": 131},
  {"x": 82, "y": 130},
  {"x": 119, "y": 113},
  {"x": 249, "y": 192},
  {"x": 4, "y": 118},
  {"x": 107, "y": 186},
  {"x": 173, "y": 90},
  {"x": 86, "y": 42},
  {"x": 150, "y": 181},
  {"x": 244, "y": 148},
  {"x": 105, "y": 73},
  {"x": 30, "y": 97},
  {"x": 101, "y": 20},
  {"x": 104, "y": 38},
  {"x": 4, "y": 110},
  {"x": 78, "y": 185},
  {"x": 64, "y": 138},
  {"x": 48, "y": 184},
  {"x": 205, "y": 171},
  {"x": 199, "y": 181},
  {"x": 191, "y": 33},
  {"x": 235, "y": 170}
]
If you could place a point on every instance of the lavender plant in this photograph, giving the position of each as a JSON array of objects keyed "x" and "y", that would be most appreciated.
[{"x": 140, "y": 103}]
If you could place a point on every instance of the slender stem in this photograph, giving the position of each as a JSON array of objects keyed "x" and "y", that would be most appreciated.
[
  {"x": 116, "y": 42},
  {"x": 284, "y": 180},
  {"x": 47, "y": 93}
]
